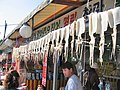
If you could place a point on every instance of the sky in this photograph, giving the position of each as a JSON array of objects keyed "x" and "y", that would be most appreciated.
[{"x": 14, "y": 11}]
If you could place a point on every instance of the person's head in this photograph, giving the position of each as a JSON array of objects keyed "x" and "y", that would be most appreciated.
[
  {"x": 15, "y": 73},
  {"x": 10, "y": 81},
  {"x": 40, "y": 87},
  {"x": 68, "y": 69}
]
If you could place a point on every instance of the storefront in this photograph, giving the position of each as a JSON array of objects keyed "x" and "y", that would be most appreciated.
[{"x": 57, "y": 37}]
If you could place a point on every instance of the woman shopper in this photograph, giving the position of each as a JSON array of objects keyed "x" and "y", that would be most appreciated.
[
  {"x": 10, "y": 82},
  {"x": 91, "y": 78}
]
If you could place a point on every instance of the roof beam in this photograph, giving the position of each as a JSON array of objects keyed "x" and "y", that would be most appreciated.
[{"x": 75, "y": 3}]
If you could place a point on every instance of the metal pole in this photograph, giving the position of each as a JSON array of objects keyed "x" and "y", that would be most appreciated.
[
  {"x": 101, "y": 5},
  {"x": 55, "y": 75},
  {"x": 5, "y": 29},
  {"x": 81, "y": 73},
  {"x": 32, "y": 27}
]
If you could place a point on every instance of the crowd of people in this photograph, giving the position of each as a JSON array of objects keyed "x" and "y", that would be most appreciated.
[
  {"x": 91, "y": 79},
  {"x": 10, "y": 80}
]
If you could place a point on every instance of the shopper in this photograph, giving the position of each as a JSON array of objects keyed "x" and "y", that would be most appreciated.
[
  {"x": 91, "y": 78},
  {"x": 9, "y": 83},
  {"x": 17, "y": 76},
  {"x": 73, "y": 82},
  {"x": 15, "y": 73},
  {"x": 40, "y": 87}
]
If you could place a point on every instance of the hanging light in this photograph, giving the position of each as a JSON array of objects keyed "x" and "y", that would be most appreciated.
[
  {"x": 8, "y": 42},
  {"x": 25, "y": 31}
]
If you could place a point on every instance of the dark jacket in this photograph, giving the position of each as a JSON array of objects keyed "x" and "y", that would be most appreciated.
[{"x": 93, "y": 80}]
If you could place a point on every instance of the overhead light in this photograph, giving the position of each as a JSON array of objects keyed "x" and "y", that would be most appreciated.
[{"x": 25, "y": 31}]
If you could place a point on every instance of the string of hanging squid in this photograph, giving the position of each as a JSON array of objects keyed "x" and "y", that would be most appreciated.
[{"x": 72, "y": 35}]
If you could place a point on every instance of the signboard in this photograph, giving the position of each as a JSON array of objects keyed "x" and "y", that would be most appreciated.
[
  {"x": 44, "y": 72},
  {"x": 74, "y": 15}
]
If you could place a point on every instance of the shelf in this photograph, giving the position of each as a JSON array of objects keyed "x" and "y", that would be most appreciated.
[{"x": 113, "y": 77}]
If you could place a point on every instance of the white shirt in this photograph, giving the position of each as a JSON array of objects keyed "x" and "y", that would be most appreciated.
[
  {"x": 2, "y": 88},
  {"x": 73, "y": 83}
]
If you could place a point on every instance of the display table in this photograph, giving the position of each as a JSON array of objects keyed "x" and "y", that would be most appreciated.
[{"x": 32, "y": 84}]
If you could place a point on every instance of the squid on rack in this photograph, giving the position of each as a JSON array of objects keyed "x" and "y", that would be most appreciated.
[
  {"x": 101, "y": 48},
  {"x": 26, "y": 58},
  {"x": 104, "y": 26},
  {"x": 36, "y": 54},
  {"x": 92, "y": 44},
  {"x": 53, "y": 39},
  {"x": 114, "y": 37},
  {"x": 48, "y": 39},
  {"x": 80, "y": 29},
  {"x": 40, "y": 50},
  {"x": 67, "y": 28},
  {"x": 62, "y": 35},
  {"x": 72, "y": 30},
  {"x": 116, "y": 16},
  {"x": 45, "y": 42},
  {"x": 42, "y": 47},
  {"x": 33, "y": 55},
  {"x": 98, "y": 23},
  {"x": 57, "y": 37},
  {"x": 92, "y": 41}
]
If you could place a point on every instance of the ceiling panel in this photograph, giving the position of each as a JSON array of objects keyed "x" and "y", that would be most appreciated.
[{"x": 49, "y": 12}]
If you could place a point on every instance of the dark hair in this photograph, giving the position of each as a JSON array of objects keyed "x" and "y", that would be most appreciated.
[
  {"x": 67, "y": 65},
  {"x": 11, "y": 68},
  {"x": 12, "y": 81},
  {"x": 15, "y": 73}
]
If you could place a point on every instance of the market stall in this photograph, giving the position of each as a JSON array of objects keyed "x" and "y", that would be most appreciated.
[{"x": 78, "y": 34}]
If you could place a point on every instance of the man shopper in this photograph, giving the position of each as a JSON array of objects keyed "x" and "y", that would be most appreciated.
[{"x": 73, "y": 82}]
